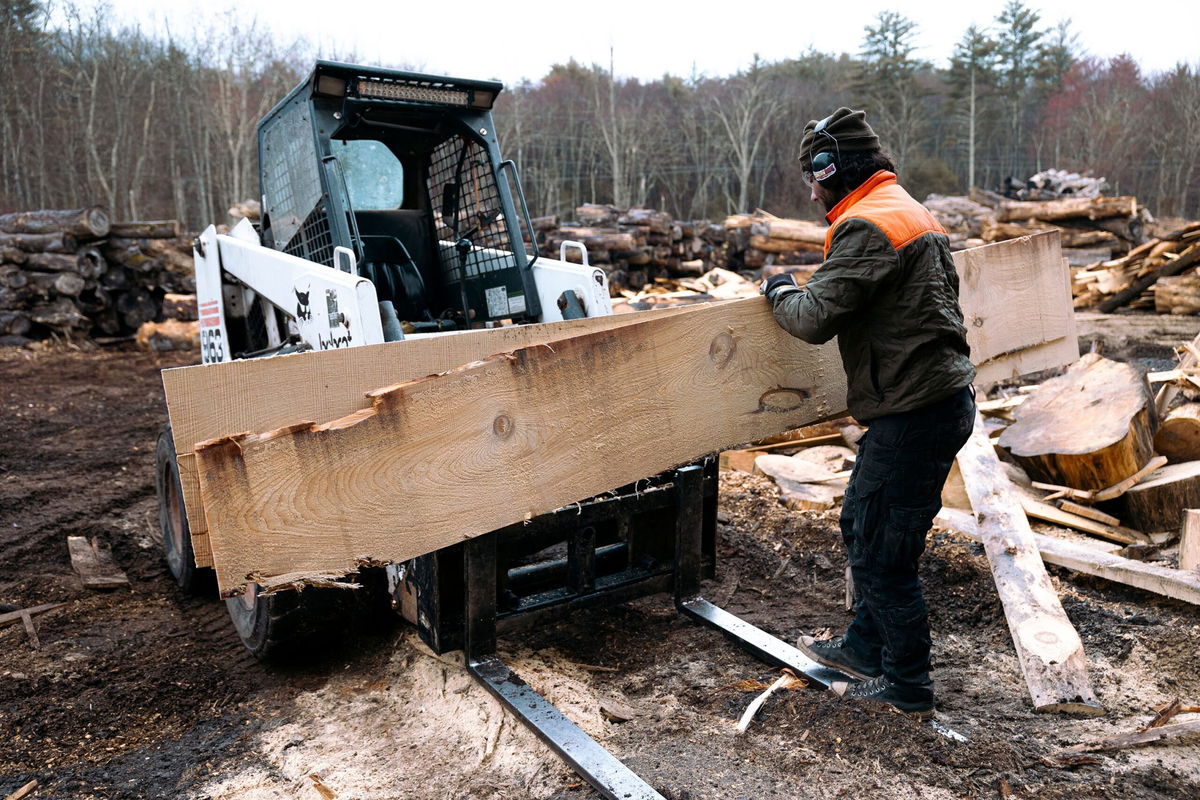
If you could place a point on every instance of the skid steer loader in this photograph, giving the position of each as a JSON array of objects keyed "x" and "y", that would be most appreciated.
[{"x": 388, "y": 213}]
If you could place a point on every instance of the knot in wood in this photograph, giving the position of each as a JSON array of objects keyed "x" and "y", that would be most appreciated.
[
  {"x": 977, "y": 321},
  {"x": 721, "y": 350},
  {"x": 503, "y": 426}
]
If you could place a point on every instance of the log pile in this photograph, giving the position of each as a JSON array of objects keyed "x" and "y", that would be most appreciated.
[
  {"x": 1092, "y": 228},
  {"x": 764, "y": 241},
  {"x": 1158, "y": 274},
  {"x": 633, "y": 246},
  {"x": 73, "y": 272}
]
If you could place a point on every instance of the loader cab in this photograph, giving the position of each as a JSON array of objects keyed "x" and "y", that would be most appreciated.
[{"x": 403, "y": 170}]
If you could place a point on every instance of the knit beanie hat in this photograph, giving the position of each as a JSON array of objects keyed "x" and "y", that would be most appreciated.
[{"x": 851, "y": 130}]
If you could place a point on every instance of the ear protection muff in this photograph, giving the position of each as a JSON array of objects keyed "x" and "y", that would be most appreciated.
[{"x": 825, "y": 164}]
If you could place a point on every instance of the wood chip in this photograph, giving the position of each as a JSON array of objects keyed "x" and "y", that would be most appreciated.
[
  {"x": 93, "y": 562},
  {"x": 24, "y": 791}
]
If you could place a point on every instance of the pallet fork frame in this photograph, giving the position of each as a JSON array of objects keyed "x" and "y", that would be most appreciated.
[{"x": 607, "y": 774}]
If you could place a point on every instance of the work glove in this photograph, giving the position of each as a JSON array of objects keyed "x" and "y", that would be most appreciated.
[{"x": 780, "y": 281}]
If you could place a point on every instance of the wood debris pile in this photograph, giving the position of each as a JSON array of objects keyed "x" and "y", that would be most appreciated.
[
  {"x": 1159, "y": 273},
  {"x": 74, "y": 272},
  {"x": 1091, "y": 228}
]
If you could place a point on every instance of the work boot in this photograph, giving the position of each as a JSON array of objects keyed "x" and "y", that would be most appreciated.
[
  {"x": 914, "y": 701},
  {"x": 834, "y": 653}
]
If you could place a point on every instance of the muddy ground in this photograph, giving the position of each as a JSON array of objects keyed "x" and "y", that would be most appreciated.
[{"x": 147, "y": 693}]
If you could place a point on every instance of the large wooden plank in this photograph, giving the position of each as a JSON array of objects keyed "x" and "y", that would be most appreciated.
[
  {"x": 445, "y": 458},
  {"x": 1048, "y": 647},
  {"x": 1016, "y": 301},
  {"x": 214, "y": 400},
  {"x": 1180, "y": 584}
]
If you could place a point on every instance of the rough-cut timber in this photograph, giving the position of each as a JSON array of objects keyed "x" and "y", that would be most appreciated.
[
  {"x": 1178, "y": 436},
  {"x": 86, "y": 223},
  {"x": 1048, "y": 647},
  {"x": 279, "y": 391},
  {"x": 442, "y": 459},
  {"x": 1016, "y": 301},
  {"x": 1158, "y": 502},
  {"x": 1088, "y": 428},
  {"x": 1166, "y": 581}
]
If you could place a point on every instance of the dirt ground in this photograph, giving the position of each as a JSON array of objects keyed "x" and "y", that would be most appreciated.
[{"x": 147, "y": 693}]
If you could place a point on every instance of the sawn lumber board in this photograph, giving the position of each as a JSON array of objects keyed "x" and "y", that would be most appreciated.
[
  {"x": 445, "y": 458},
  {"x": 1017, "y": 306},
  {"x": 1048, "y": 647},
  {"x": 261, "y": 394}
]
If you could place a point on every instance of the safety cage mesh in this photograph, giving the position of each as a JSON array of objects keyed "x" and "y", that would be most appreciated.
[
  {"x": 313, "y": 241},
  {"x": 464, "y": 163}
]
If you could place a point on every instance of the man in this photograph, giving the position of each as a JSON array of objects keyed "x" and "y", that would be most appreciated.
[{"x": 888, "y": 290}]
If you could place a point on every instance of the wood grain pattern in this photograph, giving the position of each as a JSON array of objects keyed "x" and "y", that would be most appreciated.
[
  {"x": 1017, "y": 306},
  {"x": 1048, "y": 647},
  {"x": 214, "y": 400},
  {"x": 444, "y": 458},
  {"x": 211, "y": 401},
  {"x": 1088, "y": 428}
]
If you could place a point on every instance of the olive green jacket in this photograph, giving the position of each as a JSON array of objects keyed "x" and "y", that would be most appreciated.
[{"x": 888, "y": 290}]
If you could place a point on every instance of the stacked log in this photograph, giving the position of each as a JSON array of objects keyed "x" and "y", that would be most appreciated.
[
  {"x": 763, "y": 241},
  {"x": 75, "y": 273},
  {"x": 1092, "y": 228},
  {"x": 633, "y": 246},
  {"x": 1159, "y": 273}
]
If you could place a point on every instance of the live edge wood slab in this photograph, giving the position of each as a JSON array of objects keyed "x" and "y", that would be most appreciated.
[
  {"x": 1015, "y": 297},
  {"x": 437, "y": 460}
]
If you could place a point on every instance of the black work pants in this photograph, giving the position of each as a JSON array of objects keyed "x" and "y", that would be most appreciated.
[{"x": 893, "y": 496}]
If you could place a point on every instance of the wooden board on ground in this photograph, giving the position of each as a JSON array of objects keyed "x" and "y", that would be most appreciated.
[
  {"x": 93, "y": 562},
  {"x": 1088, "y": 428},
  {"x": 1166, "y": 581},
  {"x": 325, "y": 385},
  {"x": 1049, "y": 513},
  {"x": 1017, "y": 306},
  {"x": 494, "y": 442},
  {"x": 1048, "y": 647}
]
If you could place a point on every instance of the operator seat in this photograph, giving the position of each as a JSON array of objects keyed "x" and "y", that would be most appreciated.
[{"x": 399, "y": 258}]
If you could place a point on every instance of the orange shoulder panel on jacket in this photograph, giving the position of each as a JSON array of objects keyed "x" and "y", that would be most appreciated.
[{"x": 883, "y": 202}]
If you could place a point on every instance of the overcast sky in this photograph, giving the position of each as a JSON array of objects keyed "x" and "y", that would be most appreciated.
[{"x": 515, "y": 40}]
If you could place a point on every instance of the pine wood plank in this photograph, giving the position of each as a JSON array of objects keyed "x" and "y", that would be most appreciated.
[
  {"x": 441, "y": 459},
  {"x": 1093, "y": 560},
  {"x": 263, "y": 394},
  {"x": 1048, "y": 647},
  {"x": 94, "y": 564},
  {"x": 1049, "y": 513},
  {"x": 1017, "y": 306},
  {"x": 325, "y": 385}
]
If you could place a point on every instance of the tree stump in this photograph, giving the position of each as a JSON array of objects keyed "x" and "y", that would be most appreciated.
[
  {"x": 1088, "y": 428},
  {"x": 1158, "y": 503}
]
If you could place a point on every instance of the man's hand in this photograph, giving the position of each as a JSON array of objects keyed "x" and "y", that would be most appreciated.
[{"x": 780, "y": 280}]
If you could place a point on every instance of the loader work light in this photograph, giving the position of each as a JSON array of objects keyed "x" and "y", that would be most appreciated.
[{"x": 418, "y": 93}]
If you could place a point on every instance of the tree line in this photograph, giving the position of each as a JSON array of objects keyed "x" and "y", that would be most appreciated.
[{"x": 164, "y": 126}]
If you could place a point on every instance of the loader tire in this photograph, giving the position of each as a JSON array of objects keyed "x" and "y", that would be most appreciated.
[
  {"x": 291, "y": 624},
  {"x": 174, "y": 533}
]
